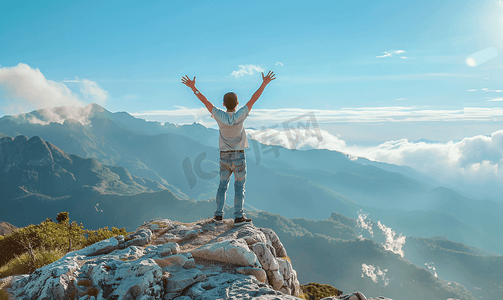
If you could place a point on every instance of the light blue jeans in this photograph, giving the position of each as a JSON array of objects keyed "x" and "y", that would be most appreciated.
[{"x": 232, "y": 162}]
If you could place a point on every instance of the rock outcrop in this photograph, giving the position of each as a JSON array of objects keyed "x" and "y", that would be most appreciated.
[{"x": 164, "y": 259}]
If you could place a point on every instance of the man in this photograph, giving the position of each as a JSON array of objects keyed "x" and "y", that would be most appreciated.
[{"x": 232, "y": 143}]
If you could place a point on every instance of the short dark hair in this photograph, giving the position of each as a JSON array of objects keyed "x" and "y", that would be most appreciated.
[{"x": 230, "y": 100}]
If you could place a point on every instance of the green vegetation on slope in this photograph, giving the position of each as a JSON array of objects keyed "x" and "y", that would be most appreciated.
[{"x": 34, "y": 246}]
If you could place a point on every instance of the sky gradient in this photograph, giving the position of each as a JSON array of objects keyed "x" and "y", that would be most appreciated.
[
  {"x": 383, "y": 79},
  {"x": 328, "y": 55}
]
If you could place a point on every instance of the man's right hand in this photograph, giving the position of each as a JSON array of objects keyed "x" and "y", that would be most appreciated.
[{"x": 190, "y": 83}]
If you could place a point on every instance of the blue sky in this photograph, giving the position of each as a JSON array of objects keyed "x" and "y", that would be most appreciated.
[
  {"x": 361, "y": 61},
  {"x": 377, "y": 75}
]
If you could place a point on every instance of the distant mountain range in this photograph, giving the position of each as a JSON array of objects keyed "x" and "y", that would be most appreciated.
[
  {"x": 309, "y": 184},
  {"x": 117, "y": 170}
]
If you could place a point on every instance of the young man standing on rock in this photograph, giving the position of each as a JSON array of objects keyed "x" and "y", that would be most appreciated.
[{"x": 232, "y": 143}]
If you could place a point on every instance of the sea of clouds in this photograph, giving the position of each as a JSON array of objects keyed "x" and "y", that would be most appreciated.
[{"x": 473, "y": 165}]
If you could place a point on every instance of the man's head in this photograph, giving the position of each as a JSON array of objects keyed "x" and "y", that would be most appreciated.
[{"x": 231, "y": 101}]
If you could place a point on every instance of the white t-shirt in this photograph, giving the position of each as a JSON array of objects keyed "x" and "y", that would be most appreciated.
[{"x": 232, "y": 131}]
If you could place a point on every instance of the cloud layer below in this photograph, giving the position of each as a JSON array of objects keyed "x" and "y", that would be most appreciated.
[
  {"x": 270, "y": 117},
  {"x": 473, "y": 165}
]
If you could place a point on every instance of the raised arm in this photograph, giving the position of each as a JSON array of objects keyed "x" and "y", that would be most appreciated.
[
  {"x": 192, "y": 85},
  {"x": 265, "y": 81}
]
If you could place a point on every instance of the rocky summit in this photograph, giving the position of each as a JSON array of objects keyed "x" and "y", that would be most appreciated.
[{"x": 165, "y": 259}]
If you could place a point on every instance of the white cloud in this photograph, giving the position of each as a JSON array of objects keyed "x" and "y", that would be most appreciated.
[
  {"x": 58, "y": 115},
  {"x": 432, "y": 268},
  {"x": 246, "y": 70},
  {"x": 361, "y": 223},
  {"x": 473, "y": 164},
  {"x": 495, "y": 100},
  {"x": 374, "y": 273},
  {"x": 489, "y": 90},
  {"x": 405, "y": 57},
  {"x": 270, "y": 117},
  {"x": 93, "y": 92},
  {"x": 386, "y": 54},
  {"x": 27, "y": 88},
  {"x": 472, "y": 90},
  {"x": 393, "y": 243},
  {"x": 391, "y": 53},
  {"x": 297, "y": 137},
  {"x": 278, "y": 63},
  {"x": 181, "y": 115}
]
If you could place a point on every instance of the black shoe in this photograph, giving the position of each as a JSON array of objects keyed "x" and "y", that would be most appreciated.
[
  {"x": 242, "y": 220},
  {"x": 218, "y": 218}
]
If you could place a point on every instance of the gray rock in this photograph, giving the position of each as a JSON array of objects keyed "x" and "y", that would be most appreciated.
[
  {"x": 47, "y": 282},
  {"x": 129, "y": 253},
  {"x": 353, "y": 296},
  {"x": 102, "y": 247},
  {"x": 184, "y": 260},
  {"x": 137, "y": 242},
  {"x": 286, "y": 267},
  {"x": 265, "y": 257},
  {"x": 257, "y": 272},
  {"x": 117, "y": 278},
  {"x": 120, "y": 239},
  {"x": 234, "y": 251},
  {"x": 182, "y": 279},
  {"x": 294, "y": 284},
  {"x": 275, "y": 278},
  {"x": 164, "y": 249},
  {"x": 276, "y": 243},
  {"x": 271, "y": 248},
  {"x": 169, "y": 237},
  {"x": 247, "y": 232},
  {"x": 183, "y": 298},
  {"x": 285, "y": 290},
  {"x": 228, "y": 286},
  {"x": 140, "y": 233},
  {"x": 196, "y": 290}
]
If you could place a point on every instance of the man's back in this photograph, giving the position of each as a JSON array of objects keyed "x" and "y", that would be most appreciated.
[{"x": 231, "y": 125}]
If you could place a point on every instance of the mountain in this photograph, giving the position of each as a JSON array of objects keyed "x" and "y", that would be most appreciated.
[
  {"x": 6, "y": 228},
  {"x": 161, "y": 158},
  {"x": 38, "y": 178},
  {"x": 327, "y": 251},
  {"x": 478, "y": 271},
  {"x": 309, "y": 184}
]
